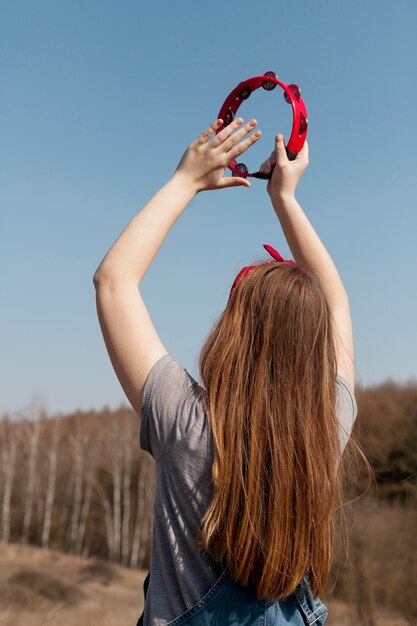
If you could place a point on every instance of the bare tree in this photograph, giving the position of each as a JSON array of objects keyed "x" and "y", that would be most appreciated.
[
  {"x": 66, "y": 502},
  {"x": 108, "y": 518},
  {"x": 116, "y": 460},
  {"x": 84, "y": 513},
  {"x": 127, "y": 463},
  {"x": 79, "y": 443},
  {"x": 8, "y": 456},
  {"x": 90, "y": 474},
  {"x": 39, "y": 502},
  {"x": 50, "y": 489},
  {"x": 32, "y": 431}
]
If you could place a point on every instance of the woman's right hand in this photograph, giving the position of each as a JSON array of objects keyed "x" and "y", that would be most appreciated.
[{"x": 286, "y": 173}]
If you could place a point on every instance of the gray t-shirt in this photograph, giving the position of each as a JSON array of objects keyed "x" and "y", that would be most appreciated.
[{"x": 175, "y": 430}]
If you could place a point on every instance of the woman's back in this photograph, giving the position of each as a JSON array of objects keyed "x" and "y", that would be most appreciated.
[{"x": 176, "y": 430}]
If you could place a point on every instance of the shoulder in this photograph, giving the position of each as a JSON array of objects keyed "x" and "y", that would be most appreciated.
[
  {"x": 346, "y": 408},
  {"x": 170, "y": 404},
  {"x": 346, "y": 392},
  {"x": 166, "y": 377}
]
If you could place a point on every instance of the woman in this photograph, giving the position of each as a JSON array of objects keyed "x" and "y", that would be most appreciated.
[{"x": 248, "y": 463}]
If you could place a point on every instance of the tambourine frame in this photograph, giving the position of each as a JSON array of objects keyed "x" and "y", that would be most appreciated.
[{"x": 292, "y": 95}]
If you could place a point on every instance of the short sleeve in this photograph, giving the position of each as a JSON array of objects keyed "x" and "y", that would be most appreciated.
[
  {"x": 346, "y": 409},
  {"x": 168, "y": 396}
]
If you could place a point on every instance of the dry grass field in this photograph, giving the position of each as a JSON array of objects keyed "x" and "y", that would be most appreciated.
[
  {"x": 46, "y": 587},
  {"x": 43, "y": 587}
]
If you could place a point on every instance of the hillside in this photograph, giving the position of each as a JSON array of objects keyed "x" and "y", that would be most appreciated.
[
  {"x": 47, "y": 587},
  {"x": 44, "y": 587}
]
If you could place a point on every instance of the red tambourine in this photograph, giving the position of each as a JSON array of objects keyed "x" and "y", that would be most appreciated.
[{"x": 292, "y": 95}]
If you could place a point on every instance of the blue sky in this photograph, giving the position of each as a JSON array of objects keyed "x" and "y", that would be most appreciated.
[{"x": 99, "y": 100}]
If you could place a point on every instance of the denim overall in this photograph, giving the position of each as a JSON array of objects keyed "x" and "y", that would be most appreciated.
[{"x": 228, "y": 603}]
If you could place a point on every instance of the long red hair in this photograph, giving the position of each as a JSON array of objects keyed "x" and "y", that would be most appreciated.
[{"x": 268, "y": 367}]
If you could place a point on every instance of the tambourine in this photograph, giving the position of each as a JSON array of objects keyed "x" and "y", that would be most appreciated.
[{"x": 292, "y": 95}]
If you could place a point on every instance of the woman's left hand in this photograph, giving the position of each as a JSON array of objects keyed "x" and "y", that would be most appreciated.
[{"x": 204, "y": 161}]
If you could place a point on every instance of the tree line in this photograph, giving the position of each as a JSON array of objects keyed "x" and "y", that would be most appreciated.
[{"x": 80, "y": 482}]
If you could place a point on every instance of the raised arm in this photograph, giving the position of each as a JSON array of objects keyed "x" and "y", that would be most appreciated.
[
  {"x": 128, "y": 331},
  {"x": 307, "y": 248}
]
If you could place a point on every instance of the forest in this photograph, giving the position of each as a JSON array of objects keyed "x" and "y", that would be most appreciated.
[{"x": 80, "y": 483}]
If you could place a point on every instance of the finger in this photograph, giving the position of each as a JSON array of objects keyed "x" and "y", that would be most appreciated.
[
  {"x": 234, "y": 181},
  {"x": 268, "y": 164},
  {"x": 204, "y": 137},
  {"x": 232, "y": 140},
  {"x": 265, "y": 167},
  {"x": 226, "y": 132},
  {"x": 244, "y": 145},
  {"x": 280, "y": 152}
]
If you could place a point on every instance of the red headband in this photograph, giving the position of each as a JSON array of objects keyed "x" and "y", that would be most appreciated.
[{"x": 245, "y": 270}]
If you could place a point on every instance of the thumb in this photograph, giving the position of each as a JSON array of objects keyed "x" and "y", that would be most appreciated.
[
  {"x": 280, "y": 151},
  {"x": 303, "y": 152}
]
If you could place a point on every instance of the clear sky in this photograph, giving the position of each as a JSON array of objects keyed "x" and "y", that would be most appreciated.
[{"x": 99, "y": 100}]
